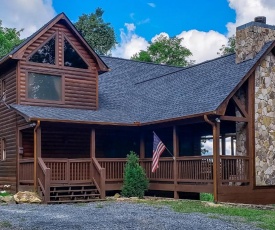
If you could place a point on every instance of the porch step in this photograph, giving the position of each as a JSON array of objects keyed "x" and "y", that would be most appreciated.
[
  {"x": 75, "y": 201},
  {"x": 73, "y": 193}
]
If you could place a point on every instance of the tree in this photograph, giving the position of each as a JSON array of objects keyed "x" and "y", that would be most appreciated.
[
  {"x": 99, "y": 35},
  {"x": 135, "y": 181},
  {"x": 165, "y": 50},
  {"x": 230, "y": 48},
  {"x": 9, "y": 38}
]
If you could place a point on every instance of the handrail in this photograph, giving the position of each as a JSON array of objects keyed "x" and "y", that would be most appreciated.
[
  {"x": 44, "y": 174},
  {"x": 99, "y": 174}
]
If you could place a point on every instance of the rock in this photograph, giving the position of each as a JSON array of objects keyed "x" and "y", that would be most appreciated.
[
  {"x": 210, "y": 204},
  {"x": 117, "y": 195},
  {"x": 27, "y": 197},
  {"x": 6, "y": 199}
]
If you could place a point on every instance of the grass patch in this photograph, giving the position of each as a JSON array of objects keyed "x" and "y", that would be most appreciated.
[
  {"x": 261, "y": 218},
  {"x": 5, "y": 224}
]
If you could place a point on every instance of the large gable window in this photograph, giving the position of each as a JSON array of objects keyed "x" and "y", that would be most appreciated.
[
  {"x": 45, "y": 54},
  {"x": 44, "y": 87},
  {"x": 72, "y": 58}
]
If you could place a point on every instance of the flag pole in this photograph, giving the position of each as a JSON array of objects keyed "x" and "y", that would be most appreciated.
[{"x": 174, "y": 158}]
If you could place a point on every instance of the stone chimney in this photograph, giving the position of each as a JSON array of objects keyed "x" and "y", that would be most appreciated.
[{"x": 251, "y": 37}]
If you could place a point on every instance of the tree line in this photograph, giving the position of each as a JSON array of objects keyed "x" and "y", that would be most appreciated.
[{"x": 100, "y": 36}]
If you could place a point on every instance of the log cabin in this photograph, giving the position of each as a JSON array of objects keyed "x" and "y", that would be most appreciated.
[{"x": 69, "y": 117}]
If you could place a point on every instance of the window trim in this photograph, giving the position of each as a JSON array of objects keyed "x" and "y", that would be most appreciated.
[
  {"x": 64, "y": 36},
  {"x": 41, "y": 45},
  {"x": 3, "y": 154},
  {"x": 41, "y": 101}
]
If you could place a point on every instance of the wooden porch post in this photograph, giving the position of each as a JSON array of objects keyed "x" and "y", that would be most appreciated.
[
  {"x": 176, "y": 154},
  {"x": 141, "y": 149},
  {"x": 37, "y": 151},
  {"x": 216, "y": 159},
  {"x": 216, "y": 155},
  {"x": 92, "y": 151},
  {"x": 250, "y": 131},
  {"x": 92, "y": 143}
]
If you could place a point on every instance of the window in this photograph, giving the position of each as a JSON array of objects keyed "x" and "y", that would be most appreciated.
[
  {"x": 3, "y": 149},
  {"x": 44, "y": 87},
  {"x": 72, "y": 58},
  {"x": 46, "y": 54}
]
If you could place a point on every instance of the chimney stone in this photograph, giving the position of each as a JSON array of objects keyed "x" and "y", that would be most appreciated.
[{"x": 251, "y": 37}]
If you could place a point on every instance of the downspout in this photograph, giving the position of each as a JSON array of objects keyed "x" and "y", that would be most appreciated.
[
  {"x": 216, "y": 165},
  {"x": 35, "y": 155}
]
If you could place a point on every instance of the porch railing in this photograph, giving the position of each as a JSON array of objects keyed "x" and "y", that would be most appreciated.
[
  {"x": 99, "y": 176},
  {"x": 114, "y": 168},
  {"x": 235, "y": 170},
  {"x": 165, "y": 172},
  {"x": 69, "y": 171},
  {"x": 196, "y": 169},
  {"x": 43, "y": 177}
]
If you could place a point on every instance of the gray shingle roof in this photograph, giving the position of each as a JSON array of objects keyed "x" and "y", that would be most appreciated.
[{"x": 143, "y": 92}]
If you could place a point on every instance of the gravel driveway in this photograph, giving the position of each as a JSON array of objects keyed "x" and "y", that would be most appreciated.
[{"x": 109, "y": 215}]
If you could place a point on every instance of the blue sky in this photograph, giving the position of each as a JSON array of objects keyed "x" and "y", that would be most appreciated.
[
  {"x": 153, "y": 17},
  {"x": 204, "y": 25}
]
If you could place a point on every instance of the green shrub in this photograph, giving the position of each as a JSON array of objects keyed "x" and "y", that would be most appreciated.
[
  {"x": 4, "y": 193},
  {"x": 135, "y": 182},
  {"x": 206, "y": 197}
]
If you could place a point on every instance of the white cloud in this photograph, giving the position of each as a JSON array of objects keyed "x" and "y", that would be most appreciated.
[
  {"x": 151, "y": 4},
  {"x": 158, "y": 35},
  {"x": 203, "y": 45},
  {"x": 27, "y": 14},
  {"x": 130, "y": 26},
  {"x": 247, "y": 10},
  {"x": 130, "y": 43}
]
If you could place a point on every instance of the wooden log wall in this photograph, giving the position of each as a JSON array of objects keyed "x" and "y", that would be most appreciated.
[
  {"x": 68, "y": 142},
  {"x": 8, "y": 130},
  {"x": 79, "y": 86}
]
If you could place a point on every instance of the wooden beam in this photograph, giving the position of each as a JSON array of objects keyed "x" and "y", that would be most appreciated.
[
  {"x": 240, "y": 106},
  {"x": 236, "y": 119},
  {"x": 38, "y": 133},
  {"x": 216, "y": 159},
  {"x": 251, "y": 130},
  {"x": 92, "y": 143},
  {"x": 223, "y": 145},
  {"x": 35, "y": 163},
  {"x": 176, "y": 154}
]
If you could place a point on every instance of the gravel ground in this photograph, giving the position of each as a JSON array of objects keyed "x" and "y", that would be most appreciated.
[{"x": 109, "y": 215}]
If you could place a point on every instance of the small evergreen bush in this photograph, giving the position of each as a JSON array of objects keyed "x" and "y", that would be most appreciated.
[
  {"x": 135, "y": 182},
  {"x": 206, "y": 197}
]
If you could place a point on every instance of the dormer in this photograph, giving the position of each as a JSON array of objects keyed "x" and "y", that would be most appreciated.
[{"x": 58, "y": 68}]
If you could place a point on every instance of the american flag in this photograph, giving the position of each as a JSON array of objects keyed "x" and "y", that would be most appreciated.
[{"x": 158, "y": 148}]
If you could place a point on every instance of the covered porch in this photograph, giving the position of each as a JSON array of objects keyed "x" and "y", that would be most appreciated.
[{"x": 86, "y": 161}]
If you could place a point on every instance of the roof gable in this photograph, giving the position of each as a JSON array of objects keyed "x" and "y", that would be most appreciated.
[{"x": 18, "y": 52}]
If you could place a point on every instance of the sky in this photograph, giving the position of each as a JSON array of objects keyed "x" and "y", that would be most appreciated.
[{"x": 204, "y": 25}]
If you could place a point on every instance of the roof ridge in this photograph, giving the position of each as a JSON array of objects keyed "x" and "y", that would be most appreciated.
[
  {"x": 185, "y": 68},
  {"x": 151, "y": 63}
]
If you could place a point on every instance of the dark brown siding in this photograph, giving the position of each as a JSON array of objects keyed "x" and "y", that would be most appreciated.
[
  {"x": 8, "y": 130},
  {"x": 79, "y": 85}
]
